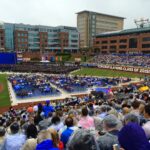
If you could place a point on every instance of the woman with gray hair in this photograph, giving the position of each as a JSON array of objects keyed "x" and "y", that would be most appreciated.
[
  {"x": 82, "y": 140},
  {"x": 110, "y": 125},
  {"x": 131, "y": 117}
]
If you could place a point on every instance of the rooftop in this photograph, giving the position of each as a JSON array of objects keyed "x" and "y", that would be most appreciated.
[
  {"x": 124, "y": 32},
  {"x": 86, "y": 11},
  {"x": 40, "y": 26}
]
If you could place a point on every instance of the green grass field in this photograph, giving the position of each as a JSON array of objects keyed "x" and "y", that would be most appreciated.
[
  {"x": 4, "y": 95},
  {"x": 106, "y": 73}
]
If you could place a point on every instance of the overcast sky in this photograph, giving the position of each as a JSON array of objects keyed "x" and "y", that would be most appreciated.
[{"x": 62, "y": 12}]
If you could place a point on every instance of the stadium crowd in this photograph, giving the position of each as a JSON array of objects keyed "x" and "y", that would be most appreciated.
[
  {"x": 129, "y": 60},
  {"x": 40, "y": 67},
  {"x": 90, "y": 123}
]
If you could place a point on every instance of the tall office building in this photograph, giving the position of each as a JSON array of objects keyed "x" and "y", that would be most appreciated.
[
  {"x": 22, "y": 37},
  {"x": 91, "y": 23}
]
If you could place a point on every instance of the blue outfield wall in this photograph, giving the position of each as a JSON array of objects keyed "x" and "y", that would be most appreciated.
[{"x": 8, "y": 58}]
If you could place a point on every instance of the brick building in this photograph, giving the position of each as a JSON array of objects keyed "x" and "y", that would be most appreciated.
[
  {"x": 38, "y": 38},
  {"x": 2, "y": 37},
  {"x": 124, "y": 41}
]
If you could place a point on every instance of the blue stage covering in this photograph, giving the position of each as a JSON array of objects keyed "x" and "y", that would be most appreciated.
[{"x": 104, "y": 90}]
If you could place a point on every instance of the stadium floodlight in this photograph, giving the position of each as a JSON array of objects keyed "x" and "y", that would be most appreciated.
[{"x": 141, "y": 23}]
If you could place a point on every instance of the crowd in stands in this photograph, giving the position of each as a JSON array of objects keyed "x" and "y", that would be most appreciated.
[
  {"x": 39, "y": 67},
  {"x": 87, "y": 123},
  {"x": 128, "y": 60}
]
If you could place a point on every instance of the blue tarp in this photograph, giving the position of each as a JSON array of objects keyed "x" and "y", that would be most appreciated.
[{"x": 104, "y": 90}]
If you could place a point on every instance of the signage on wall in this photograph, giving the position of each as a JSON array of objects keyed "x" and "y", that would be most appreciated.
[{"x": 126, "y": 68}]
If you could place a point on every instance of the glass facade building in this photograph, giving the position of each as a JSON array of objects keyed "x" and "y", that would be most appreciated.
[
  {"x": 9, "y": 36},
  {"x": 22, "y": 37}
]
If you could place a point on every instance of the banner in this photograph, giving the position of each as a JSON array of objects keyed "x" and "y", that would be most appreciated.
[
  {"x": 125, "y": 68},
  {"x": 26, "y": 59}
]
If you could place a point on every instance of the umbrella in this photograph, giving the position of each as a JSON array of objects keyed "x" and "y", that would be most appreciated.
[{"x": 144, "y": 88}]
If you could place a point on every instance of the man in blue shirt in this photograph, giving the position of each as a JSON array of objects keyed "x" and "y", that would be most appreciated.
[
  {"x": 47, "y": 108},
  {"x": 69, "y": 131}
]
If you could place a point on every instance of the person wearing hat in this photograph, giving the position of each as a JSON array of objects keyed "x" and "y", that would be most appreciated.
[
  {"x": 48, "y": 108},
  {"x": 132, "y": 137}
]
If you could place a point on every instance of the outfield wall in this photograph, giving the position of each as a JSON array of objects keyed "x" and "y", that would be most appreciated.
[
  {"x": 126, "y": 68},
  {"x": 136, "y": 69}
]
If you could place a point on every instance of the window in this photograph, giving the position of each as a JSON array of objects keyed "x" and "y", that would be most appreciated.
[
  {"x": 93, "y": 30},
  {"x": 112, "y": 51},
  {"x": 93, "y": 26},
  {"x": 74, "y": 41},
  {"x": 145, "y": 39},
  {"x": 93, "y": 16},
  {"x": 133, "y": 43},
  {"x": 145, "y": 45},
  {"x": 97, "y": 42},
  {"x": 49, "y": 30},
  {"x": 74, "y": 36},
  {"x": 104, "y": 47},
  {"x": 123, "y": 41},
  {"x": 93, "y": 22},
  {"x": 113, "y": 41},
  {"x": 104, "y": 42},
  {"x": 122, "y": 46},
  {"x": 113, "y": 47}
]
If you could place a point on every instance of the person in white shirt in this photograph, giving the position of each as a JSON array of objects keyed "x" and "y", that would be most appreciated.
[{"x": 15, "y": 140}]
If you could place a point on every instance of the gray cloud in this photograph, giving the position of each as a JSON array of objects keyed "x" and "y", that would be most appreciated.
[{"x": 62, "y": 12}]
